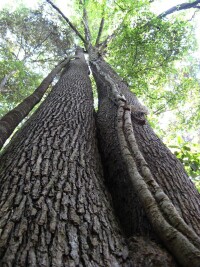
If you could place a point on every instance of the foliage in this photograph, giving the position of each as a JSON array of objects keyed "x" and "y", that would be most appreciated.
[
  {"x": 155, "y": 57},
  {"x": 21, "y": 84},
  {"x": 146, "y": 54},
  {"x": 34, "y": 33},
  {"x": 31, "y": 42},
  {"x": 196, "y": 180},
  {"x": 189, "y": 154}
]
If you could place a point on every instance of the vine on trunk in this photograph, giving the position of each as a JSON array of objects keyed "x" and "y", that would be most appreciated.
[{"x": 178, "y": 237}]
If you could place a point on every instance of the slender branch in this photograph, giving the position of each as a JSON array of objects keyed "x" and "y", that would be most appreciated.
[
  {"x": 119, "y": 6},
  {"x": 20, "y": 46},
  {"x": 135, "y": 55},
  {"x": 182, "y": 6},
  {"x": 67, "y": 20},
  {"x": 42, "y": 60},
  {"x": 86, "y": 28},
  {"x": 108, "y": 39},
  {"x": 162, "y": 110},
  {"x": 9, "y": 121},
  {"x": 104, "y": 44},
  {"x": 100, "y": 31},
  {"x": 195, "y": 12}
]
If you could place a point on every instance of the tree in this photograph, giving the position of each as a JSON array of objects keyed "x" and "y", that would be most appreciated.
[
  {"x": 55, "y": 207},
  {"x": 30, "y": 42},
  {"x": 11, "y": 120}
]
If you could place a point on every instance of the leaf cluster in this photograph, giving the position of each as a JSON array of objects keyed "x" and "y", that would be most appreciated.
[
  {"x": 189, "y": 155},
  {"x": 21, "y": 84},
  {"x": 155, "y": 58}
]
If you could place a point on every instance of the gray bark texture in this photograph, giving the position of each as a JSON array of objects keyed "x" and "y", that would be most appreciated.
[
  {"x": 152, "y": 195},
  {"x": 11, "y": 120},
  {"x": 54, "y": 207}
]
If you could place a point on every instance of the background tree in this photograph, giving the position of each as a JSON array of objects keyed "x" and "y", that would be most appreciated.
[
  {"x": 11, "y": 120},
  {"x": 30, "y": 45}
]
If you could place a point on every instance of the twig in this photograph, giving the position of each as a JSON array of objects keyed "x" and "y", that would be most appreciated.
[
  {"x": 86, "y": 27},
  {"x": 100, "y": 31}
]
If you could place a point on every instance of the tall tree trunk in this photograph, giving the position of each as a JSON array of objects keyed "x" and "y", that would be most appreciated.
[
  {"x": 54, "y": 208},
  {"x": 11, "y": 120},
  {"x": 150, "y": 153}
]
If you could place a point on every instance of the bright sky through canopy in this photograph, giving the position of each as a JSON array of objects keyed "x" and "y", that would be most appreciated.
[
  {"x": 158, "y": 8},
  {"x": 162, "y": 5}
]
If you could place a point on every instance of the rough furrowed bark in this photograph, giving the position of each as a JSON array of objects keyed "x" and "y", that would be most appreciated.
[
  {"x": 167, "y": 223},
  {"x": 9, "y": 122},
  {"x": 180, "y": 239},
  {"x": 54, "y": 209}
]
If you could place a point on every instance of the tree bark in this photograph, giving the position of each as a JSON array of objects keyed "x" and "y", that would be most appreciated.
[
  {"x": 54, "y": 208},
  {"x": 131, "y": 208},
  {"x": 11, "y": 120},
  {"x": 180, "y": 7}
]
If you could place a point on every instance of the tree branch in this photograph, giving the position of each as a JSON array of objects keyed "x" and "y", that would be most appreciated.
[
  {"x": 100, "y": 31},
  {"x": 10, "y": 120},
  {"x": 108, "y": 39},
  {"x": 86, "y": 28},
  {"x": 182, "y": 6},
  {"x": 67, "y": 20},
  {"x": 119, "y": 6},
  {"x": 194, "y": 14},
  {"x": 104, "y": 44}
]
